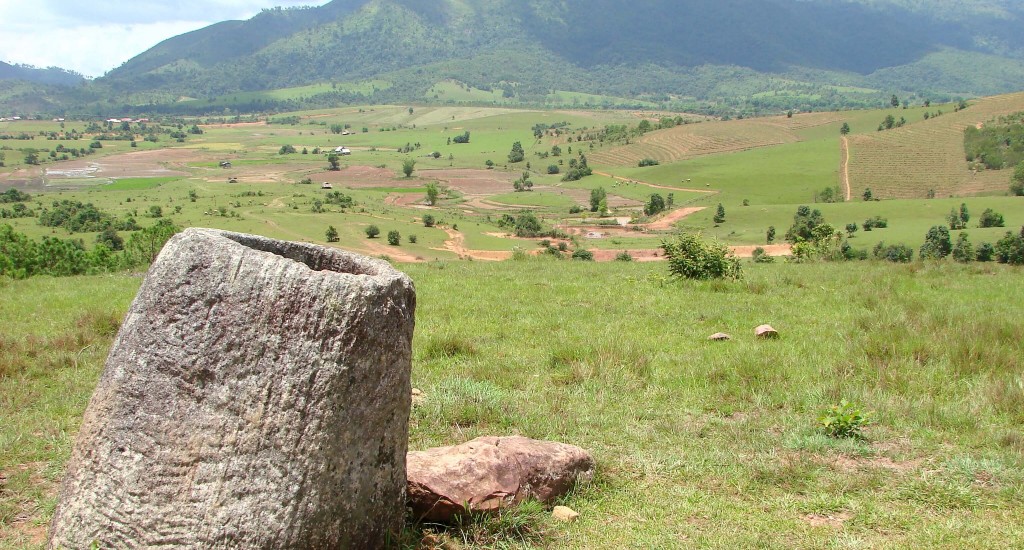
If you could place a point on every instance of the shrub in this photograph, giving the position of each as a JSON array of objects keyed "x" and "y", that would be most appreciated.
[
  {"x": 990, "y": 218},
  {"x": 428, "y": 220},
  {"x": 394, "y": 237},
  {"x": 575, "y": 209},
  {"x": 1010, "y": 249},
  {"x": 584, "y": 255},
  {"x": 553, "y": 169},
  {"x": 985, "y": 253},
  {"x": 963, "y": 252},
  {"x": 691, "y": 257},
  {"x": 372, "y": 231},
  {"x": 623, "y": 257},
  {"x": 896, "y": 253},
  {"x": 654, "y": 205},
  {"x": 648, "y": 162},
  {"x": 331, "y": 234},
  {"x": 761, "y": 257},
  {"x": 412, "y": 239},
  {"x": 843, "y": 420},
  {"x": 937, "y": 243}
]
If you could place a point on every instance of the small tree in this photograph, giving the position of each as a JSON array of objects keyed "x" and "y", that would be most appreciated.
[
  {"x": 844, "y": 129},
  {"x": 1016, "y": 183},
  {"x": 1010, "y": 249},
  {"x": 937, "y": 243},
  {"x": 432, "y": 193},
  {"x": 596, "y": 196},
  {"x": 412, "y": 239},
  {"x": 155, "y": 211},
  {"x": 109, "y": 238},
  {"x": 719, "y": 214},
  {"x": 372, "y": 231},
  {"x": 408, "y": 165},
  {"x": 990, "y": 218},
  {"x": 691, "y": 257},
  {"x": 516, "y": 154},
  {"x": 394, "y": 237},
  {"x": 953, "y": 220},
  {"x": 286, "y": 150},
  {"x": 867, "y": 194},
  {"x": 428, "y": 220},
  {"x": 334, "y": 160},
  {"x": 965, "y": 216},
  {"x": 769, "y": 235},
  {"x": 963, "y": 252},
  {"x": 894, "y": 101},
  {"x": 331, "y": 234},
  {"x": 851, "y": 228},
  {"x": 654, "y": 205}
]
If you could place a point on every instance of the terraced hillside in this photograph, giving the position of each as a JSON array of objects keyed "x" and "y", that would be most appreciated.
[
  {"x": 925, "y": 156},
  {"x": 706, "y": 138}
]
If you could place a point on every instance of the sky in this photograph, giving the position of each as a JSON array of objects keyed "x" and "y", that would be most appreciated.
[{"x": 94, "y": 37}]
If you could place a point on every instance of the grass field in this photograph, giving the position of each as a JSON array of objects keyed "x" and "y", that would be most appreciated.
[{"x": 721, "y": 448}]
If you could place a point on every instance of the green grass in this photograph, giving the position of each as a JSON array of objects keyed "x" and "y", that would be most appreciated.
[
  {"x": 138, "y": 184},
  {"x": 697, "y": 443}
]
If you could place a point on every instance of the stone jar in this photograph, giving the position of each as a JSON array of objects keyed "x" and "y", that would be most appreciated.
[{"x": 256, "y": 396}]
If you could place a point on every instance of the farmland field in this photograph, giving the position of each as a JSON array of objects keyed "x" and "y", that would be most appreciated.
[{"x": 722, "y": 449}]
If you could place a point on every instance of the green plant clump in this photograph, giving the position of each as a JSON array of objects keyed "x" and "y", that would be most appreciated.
[
  {"x": 691, "y": 257},
  {"x": 844, "y": 420}
]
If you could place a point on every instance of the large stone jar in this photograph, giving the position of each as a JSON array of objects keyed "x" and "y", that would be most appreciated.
[{"x": 257, "y": 396}]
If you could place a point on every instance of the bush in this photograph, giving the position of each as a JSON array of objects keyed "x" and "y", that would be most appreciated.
[
  {"x": 286, "y": 150},
  {"x": 990, "y": 218},
  {"x": 1010, "y": 249},
  {"x": 584, "y": 255},
  {"x": 412, "y": 239},
  {"x": 691, "y": 257},
  {"x": 937, "y": 243},
  {"x": 394, "y": 237},
  {"x": 372, "y": 231},
  {"x": 896, "y": 253},
  {"x": 761, "y": 257},
  {"x": 623, "y": 257},
  {"x": 877, "y": 221},
  {"x": 575, "y": 209},
  {"x": 843, "y": 420},
  {"x": 553, "y": 169},
  {"x": 428, "y": 220},
  {"x": 648, "y": 162},
  {"x": 331, "y": 234},
  {"x": 985, "y": 253},
  {"x": 963, "y": 252}
]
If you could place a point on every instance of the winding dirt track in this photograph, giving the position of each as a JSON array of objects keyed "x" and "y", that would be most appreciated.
[
  {"x": 656, "y": 186},
  {"x": 844, "y": 166}
]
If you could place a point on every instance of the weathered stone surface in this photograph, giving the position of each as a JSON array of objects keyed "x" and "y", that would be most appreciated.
[
  {"x": 564, "y": 513},
  {"x": 489, "y": 473},
  {"x": 766, "y": 331},
  {"x": 719, "y": 337},
  {"x": 257, "y": 396}
]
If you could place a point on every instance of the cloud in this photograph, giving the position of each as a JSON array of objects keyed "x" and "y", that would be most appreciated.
[{"x": 93, "y": 38}]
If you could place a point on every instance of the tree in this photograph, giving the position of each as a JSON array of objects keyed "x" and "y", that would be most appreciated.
[
  {"x": 155, "y": 211},
  {"x": 719, "y": 214},
  {"x": 524, "y": 183},
  {"x": 990, "y": 218},
  {"x": 337, "y": 129},
  {"x": 691, "y": 257},
  {"x": 109, "y": 238},
  {"x": 654, "y": 204},
  {"x": 953, "y": 220},
  {"x": 867, "y": 194},
  {"x": 331, "y": 234},
  {"x": 428, "y": 220},
  {"x": 556, "y": 151},
  {"x": 489, "y": 163},
  {"x": 894, "y": 101},
  {"x": 408, "y": 165},
  {"x": 372, "y": 231},
  {"x": 964, "y": 215},
  {"x": 410, "y": 111},
  {"x": 769, "y": 235},
  {"x": 963, "y": 252},
  {"x": 937, "y": 243},
  {"x": 32, "y": 158},
  {"x": 394, "y": 237},
  {"x": 844, "y": 129},
  {"x": 286, "y": 150},
  {"x": 334, "y": 160},
  {"x": 804, "y": 222},
  {"x": 432, "y": 193},
  {"x": 851, "y": 228},
  {"x": 1016, "y": 183},
  {"x": 516, "y": 154},
  {"x": 596, "y": 196},
  {"x": 553, "y": 169},
  {"x": 1010, "y": 249},
  {"x": 462, "y": 138}
]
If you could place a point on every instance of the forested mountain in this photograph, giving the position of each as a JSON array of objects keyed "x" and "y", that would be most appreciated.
[
  {"x": 52, "y": 75},
  {"x": 751, "y": 54}
]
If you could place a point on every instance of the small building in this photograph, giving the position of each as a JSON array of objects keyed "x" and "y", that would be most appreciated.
[{"x": 342, "y": 150}]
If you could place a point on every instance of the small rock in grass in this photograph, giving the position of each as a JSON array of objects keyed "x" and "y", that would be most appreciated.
[
  {"x": 564, "y": 513},
  {"x": 719, "y": 336},
  {"x": 766, "y": 332},
  {"x": 417, "y": 396}
]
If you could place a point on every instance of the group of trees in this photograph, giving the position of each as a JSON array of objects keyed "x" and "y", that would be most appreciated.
[
  {"x": 22, "y": 257},
  {"x": 938, "y": 245},
  {"x": 996, "y": 145}
]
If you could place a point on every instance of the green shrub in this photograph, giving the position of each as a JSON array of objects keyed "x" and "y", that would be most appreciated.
[
  {"x": 937, "y": 244},
  {"x": 584, "y": 255},
  {"x": 761, "y": 257},
  {"x": 372, "y": 231},
  {"x": 623, "y": 257},
  {"x": 648, "y": 162},
  {"x": 963, "y": 252},
  {"x": 896, "y": 253},
  {"x": 991, "y": 218},
  {"x": 843, "y": 420},
  {"x": 1010, "y": 249},
  {"x": 394, "y": 237},
  {"x": 691, "y": 257}
]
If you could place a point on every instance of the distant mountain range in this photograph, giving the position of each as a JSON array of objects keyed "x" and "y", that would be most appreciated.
[
  {"x": 745, "y": 55},
  {"x": 52, "y": 75}
]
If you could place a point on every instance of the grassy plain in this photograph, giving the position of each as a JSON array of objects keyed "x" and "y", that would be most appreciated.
[{"x": 698, "y": 444}]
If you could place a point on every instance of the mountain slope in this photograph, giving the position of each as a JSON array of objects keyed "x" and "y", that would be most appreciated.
[{"x": 664, "y": 46}]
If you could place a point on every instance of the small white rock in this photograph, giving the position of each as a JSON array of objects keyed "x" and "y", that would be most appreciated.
[
  {"x": 719, "y": 336},
  {"x": 766, "y": 331}
]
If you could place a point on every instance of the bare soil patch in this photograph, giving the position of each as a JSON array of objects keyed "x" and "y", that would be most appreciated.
[
  {"x": 473, "y": 182},
  {"x": 360, "y": 177},
  {"x": 137, "y": 164},
  {"x": 457, "y": 243},
  {"x": 829, "y": 520}
]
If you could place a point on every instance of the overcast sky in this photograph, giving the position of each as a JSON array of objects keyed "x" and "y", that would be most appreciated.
[{"x": 95, "y": 37}]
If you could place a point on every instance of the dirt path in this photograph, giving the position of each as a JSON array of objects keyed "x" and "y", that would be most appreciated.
[
  {"x": 656, "y": 186},
  {"x": 457, "y": 243},
  {"x": 669, "y": 220},
  {"x": 844, "y": 166}
]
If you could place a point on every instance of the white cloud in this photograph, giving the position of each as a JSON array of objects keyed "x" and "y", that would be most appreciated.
[{"x": 93, "y": 38}]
